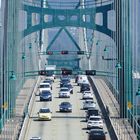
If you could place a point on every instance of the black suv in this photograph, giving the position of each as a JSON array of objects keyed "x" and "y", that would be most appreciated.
[
  {"x": 96, "y": 134},
  {"x": 85, "y": 87},
  {"x": 91, "y": 111}
]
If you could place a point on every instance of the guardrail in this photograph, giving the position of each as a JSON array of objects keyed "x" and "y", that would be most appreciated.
[{"x": 28, "y": 111}]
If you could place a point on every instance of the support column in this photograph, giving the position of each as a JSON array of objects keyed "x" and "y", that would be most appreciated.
[{"x": 120, "y": 53}]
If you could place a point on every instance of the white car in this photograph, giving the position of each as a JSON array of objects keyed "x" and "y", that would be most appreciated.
[
  {"x": 95, "y": 122},
  {"x": 82, "y": 79},
  {"x": 44, "y": 86},
  {"x": 49, "y": 82},
  {"x": 87, "y": 95},
  {"x": 64, "y": 92},
  {"x": 89, "y": 104},
  {"x": 52, "y": 77}
]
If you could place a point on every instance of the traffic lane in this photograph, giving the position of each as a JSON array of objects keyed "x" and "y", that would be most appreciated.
[
  {"x": 104, "y": 126},
  {"x": 97, "y": 106},
  {"x": 63, "y": 125}
]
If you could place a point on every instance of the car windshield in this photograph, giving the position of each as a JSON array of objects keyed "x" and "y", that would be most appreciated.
[
  {"x": 44, "y": 110},
  {"x": 89, "y": 102},
  {"x": 64, "y": 89},
  {"x": 44, "y": 86},
  {"x": 87, "y": 92}
]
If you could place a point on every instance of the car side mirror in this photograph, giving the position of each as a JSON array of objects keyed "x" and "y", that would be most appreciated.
[{"x": 87, "y": 132}]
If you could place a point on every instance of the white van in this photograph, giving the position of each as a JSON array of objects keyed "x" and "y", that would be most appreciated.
[
  {"x": 44, "y": 86},
  {"x": 82, "y": 79},
  {"x": 50, "y": 71}
]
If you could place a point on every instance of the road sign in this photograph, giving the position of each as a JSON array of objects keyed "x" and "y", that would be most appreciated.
[
  {"x": 5, "y": 105},
  {"x": 90, "y": 72},
  {"x": 129, "y": 105},
  {"x": 81, "y": 52}
]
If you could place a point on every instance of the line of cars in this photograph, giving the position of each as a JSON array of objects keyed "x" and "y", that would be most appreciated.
[
  {"x": 45, "y": 93},
  {"x": 66, "y": 89},
  {"x": 93, "y": 116}
]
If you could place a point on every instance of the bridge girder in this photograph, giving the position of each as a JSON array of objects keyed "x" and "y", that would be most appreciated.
[{"x": 69, "y": 17}]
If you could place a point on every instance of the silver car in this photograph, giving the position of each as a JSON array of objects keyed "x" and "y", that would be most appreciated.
[
  {"x": 89, "y": 104},
  {"x": 64, "y": 93}
]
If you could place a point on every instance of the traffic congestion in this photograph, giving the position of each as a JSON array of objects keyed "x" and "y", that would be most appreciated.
[{"x": 67, "y": 90}]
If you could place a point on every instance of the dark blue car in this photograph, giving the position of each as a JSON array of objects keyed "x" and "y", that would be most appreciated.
[
  {"x": 65, "y": 107},
  {"x": 64, "y": 81},
  {"x": 45, "y": 96}
]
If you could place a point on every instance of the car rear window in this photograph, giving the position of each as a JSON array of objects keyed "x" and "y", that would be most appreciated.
[
  {"x": 95, "y": 119},
  {"x": 89, "y": 102},
  {"x": 44, "y": 110},
  {"x": 44, "y": 86},
  {"x": 97, "y": 134},
  {"x": 64, "y": 89},
  {"x": 45, "y": 93},
  {"x": 65, "y": 103}
]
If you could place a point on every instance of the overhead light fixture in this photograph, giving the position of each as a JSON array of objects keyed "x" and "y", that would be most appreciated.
[
  {"x": 105, "y": 49},
  {"x": 23, "y": 56},
  {"x": 30, "y": 45},
  {"x": 118, "y": 66},
  {"x": 13, "y": 76}
]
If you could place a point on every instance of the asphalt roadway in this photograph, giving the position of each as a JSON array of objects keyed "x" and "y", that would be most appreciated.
[{"x": 63, "y": 126}]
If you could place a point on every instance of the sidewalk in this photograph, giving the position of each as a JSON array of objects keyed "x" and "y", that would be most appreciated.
[
  {"x": 13, "y": 126},
  {"x": 122, "y": 127}
]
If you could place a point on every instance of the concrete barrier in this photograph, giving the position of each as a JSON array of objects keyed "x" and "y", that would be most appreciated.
[{"x": 29, "y": 110}]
